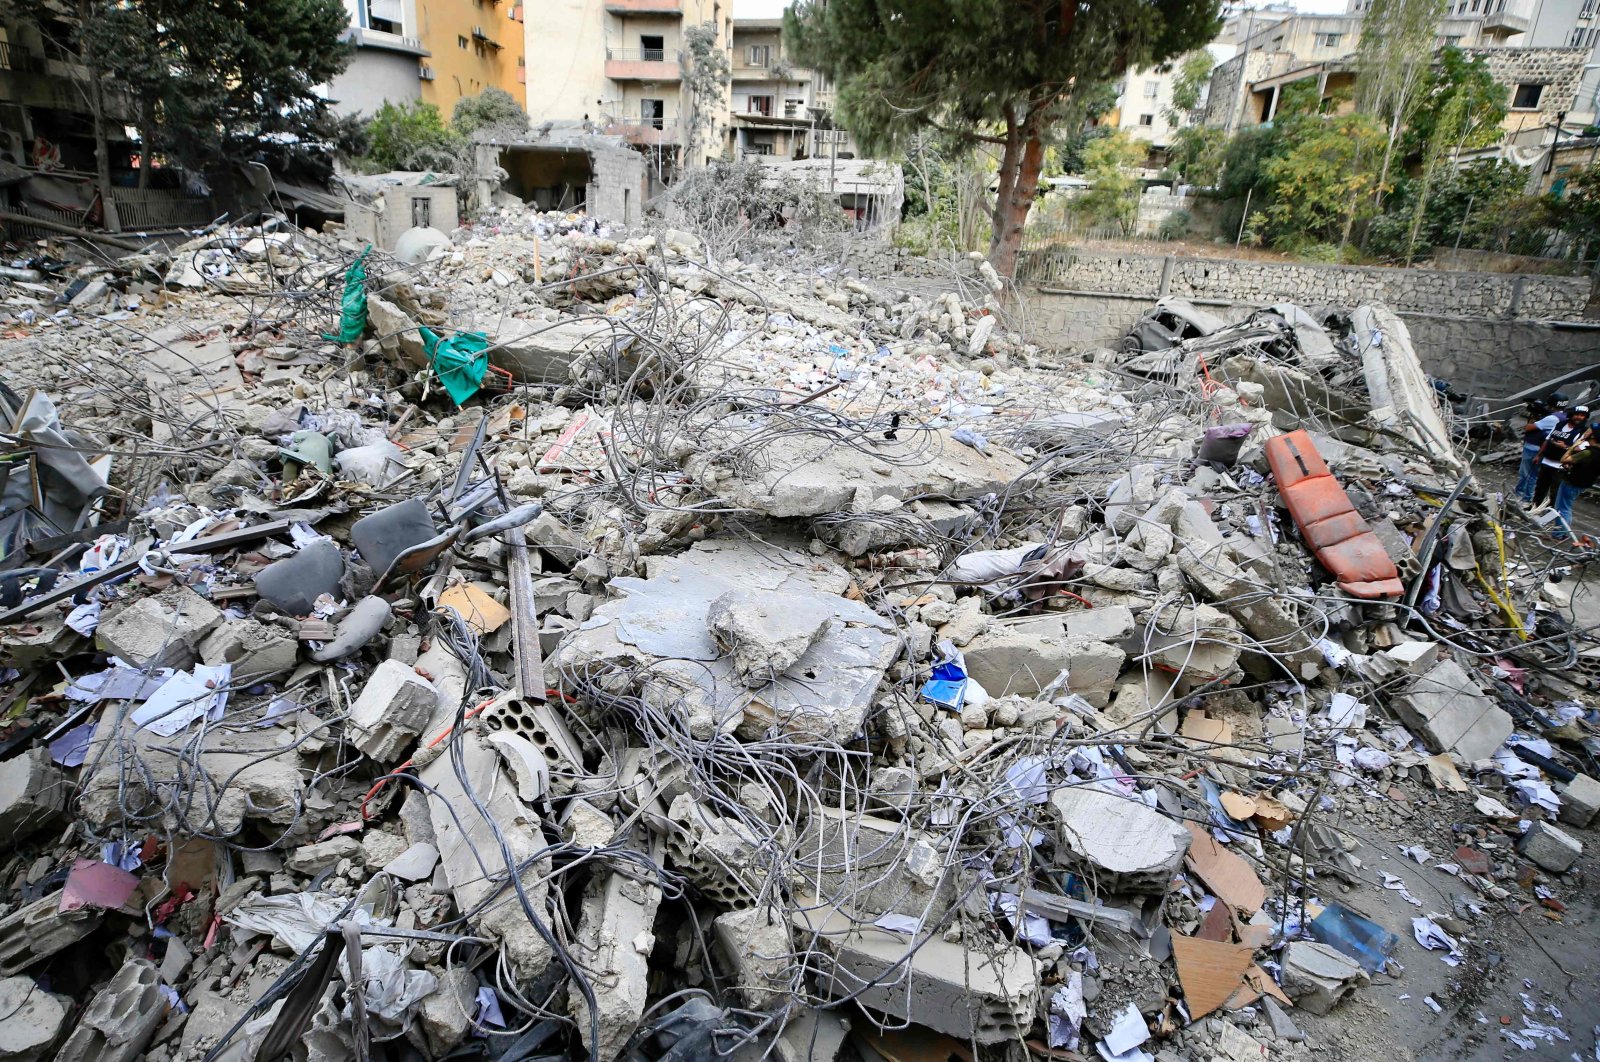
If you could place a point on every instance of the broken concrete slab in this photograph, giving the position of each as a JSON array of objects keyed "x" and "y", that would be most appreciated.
[
  {"x": 41, "y": 929},
  {"x": 1024, "y": 657},
  {"x": 416, "y": 863},
  {"x": 445, "y": 1016},
  {"x": 395, "y": 706},
  {"x": 767, "y": 634},
  {"x": 545, "y": 352},
  {"x": 33, "y": 795},
  {"x": 873, "y": 866},
  {"x": 1451, "y": 712},
  {"x": 160, "y": 631},
  {"x": 310, "y": 858},
  {"x": 257, "y": 651},
  {"x": 469, "y": 834},
  {"x": 1552, "y": 849},
  {"x": 31, "y": 1020},
  {"x": 663, "y": 622},
  {"x": 757, "y": 946},
  {"x": 806, "y": 473},
  {"x": 1120, "y": 843},
  {"x": 1580, "y": 800},
  {"x": 1317, "y": 977},
  {"x": 989, "y": 996},
  {"x": 613, "y": 942}
]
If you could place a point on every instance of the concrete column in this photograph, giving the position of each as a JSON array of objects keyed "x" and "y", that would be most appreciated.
[
  {"x": 1166, "y": 277},
  {"x": 1517, "y": 287}
]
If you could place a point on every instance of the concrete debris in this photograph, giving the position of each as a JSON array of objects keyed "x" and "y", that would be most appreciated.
[
  {"x": 1317, "y": 977},
  {"x": 621, "y": 649}
]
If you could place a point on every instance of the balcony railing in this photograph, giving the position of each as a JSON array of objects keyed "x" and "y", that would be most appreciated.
[
  {"x": 19, "y": 59},
  {"x": 642, "y": 64}
]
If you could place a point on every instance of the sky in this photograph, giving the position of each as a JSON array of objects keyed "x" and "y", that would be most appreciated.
[{"x": 774, "y": 8}]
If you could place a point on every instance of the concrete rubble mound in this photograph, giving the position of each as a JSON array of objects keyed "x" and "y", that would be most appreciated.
[{"x": 597, "y": 647}]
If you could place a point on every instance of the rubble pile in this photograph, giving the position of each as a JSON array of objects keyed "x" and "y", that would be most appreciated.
[{"x": 611, "y": 652}]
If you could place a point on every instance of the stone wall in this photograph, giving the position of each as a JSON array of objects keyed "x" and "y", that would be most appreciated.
[
  {"x": 1478, "y": 355},
  {"x": 1494, "y": 295},
  {"x": 1559, "y": 70}
]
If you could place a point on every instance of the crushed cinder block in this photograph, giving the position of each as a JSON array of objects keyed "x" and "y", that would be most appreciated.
[
  {"x": 256, "y": 650},
  {"x": 160, "y": 631},
  {"x": 395, "y": 706},
  {"x": 121, "y": 1018},
  {"x": 988, "y": 995},
  {"x": 723, "y": 856},
  {"x": 1120, "y": 843},
  {"x": 32, "y": 1020},
  {"x": 39, "y": 930},
  {"x": 757, "y": 946},
  {"x": 1450, "y": 712},
  {"x": 1580, "y": 801},
  {"x": 33, "y": 795},
  {"x": 1317, "y": 977},
  {"x": 1551, "y": 848}
]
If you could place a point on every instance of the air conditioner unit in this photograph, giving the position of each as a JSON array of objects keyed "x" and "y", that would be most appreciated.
[{"x": 425, "y": 73}]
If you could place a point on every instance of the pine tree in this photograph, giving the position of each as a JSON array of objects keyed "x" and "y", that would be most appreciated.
[{"x": 1001, "y": 72}]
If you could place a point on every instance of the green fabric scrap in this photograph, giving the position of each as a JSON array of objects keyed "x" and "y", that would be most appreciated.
[
  {"x": 353, "y": 304},
  {"x": 461, "y": 362}
]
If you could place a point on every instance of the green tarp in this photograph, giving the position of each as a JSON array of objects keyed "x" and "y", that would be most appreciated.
[
  {"x": 460, "y": 362},
  {"x": 353, "y": 319}
]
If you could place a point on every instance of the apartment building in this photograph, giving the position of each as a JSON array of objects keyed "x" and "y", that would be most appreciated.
[
  {"x": 386, "y": 66},
  {"x": 473, "y": 45},
  {"x": 624, "y": 67},
  {"x": 778, "y": 108},
  {"x": 435, "y": 51}
]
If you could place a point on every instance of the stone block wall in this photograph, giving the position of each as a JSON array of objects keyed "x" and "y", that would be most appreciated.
[{"x": 1492, "y": 295}]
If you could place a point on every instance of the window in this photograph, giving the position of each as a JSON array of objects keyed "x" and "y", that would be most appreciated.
[
  {"x": 1152, "y": 89},
  {"x": 761, "y": 105},
  {"x": 1147, "y": 119},
  {"x": 1452, "y": 42},
  {"x": 1329, "y": 40},
  {"x": 653, "y": 113},
  {"x": 421, "y": 212},
  {"x": 758, "y": 55},
  {"x": 1577, "y": 38},
  {"x": 652, "y": 49},
  {"x": 382, "y": 15},
  {"x": 461, "y": 42},
  {"x": 1526, "y": 97}
]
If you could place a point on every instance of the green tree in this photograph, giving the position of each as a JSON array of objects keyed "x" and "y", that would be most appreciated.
[
  {"x": 1111, "y": 165},
  {"x": 1197, "y": 154},
  {"x": 493, "y": 110},
  {"x": 1394, "y": 62},
  {"x": 1325, "y": 181},
  {"x": 1194, "y": 74},
  {"x": 999, "y": 72},
  {"x": 412, "y": 136},
  {"x": 1577, "y": 209},
  {"x": 1455, "y": 75}
]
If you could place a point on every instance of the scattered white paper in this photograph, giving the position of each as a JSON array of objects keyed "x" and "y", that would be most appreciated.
[
  {"x": 1067, "y": 1011},
  {"x": 1433, "y": 1004},
  {"x": 899, "y": 923},
  {"x": 1126, "y": 1033},
  {"x": 1432, "y": 937},
  {"x": 489, "y": 1008},
  {"x": 1417, "y": 853},
  {"x": 185, "y": 698},
  {"x": 85, "y": 618},
  {"x": 1346, "y": 713}
]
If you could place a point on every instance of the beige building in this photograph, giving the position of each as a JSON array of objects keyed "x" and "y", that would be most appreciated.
[
  {"x": 625, "y": 67},
  {"x": 779, "y": 108}
]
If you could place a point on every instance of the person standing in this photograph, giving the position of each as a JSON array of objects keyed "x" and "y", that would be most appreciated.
[
  {"x": 1542, "y": 420},
  {"x": 1561, "y": 439},
  {"x": 1579, "y": 472}
]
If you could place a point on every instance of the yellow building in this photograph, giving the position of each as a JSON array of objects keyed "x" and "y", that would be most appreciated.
[{"x": 474, "y": 45}]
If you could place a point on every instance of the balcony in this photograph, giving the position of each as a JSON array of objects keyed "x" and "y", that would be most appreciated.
[
  {"x": 389, "y": 42},
  {"x": 645, "y": 7},
  {"x": 1504, "y": 24},
  {"x": 644, "y": 132},
  {"x": 646, "y": 64}
]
